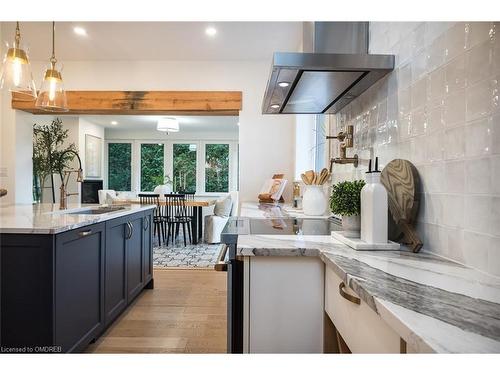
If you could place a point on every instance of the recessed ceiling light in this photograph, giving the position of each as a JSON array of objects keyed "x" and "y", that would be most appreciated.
[
  {"x": 80, "y": 31},
  {"x": 275, "y": 106},
  {"x": 211, "y": 31},
  {"x": 283, "y": 84},
  {"x": 114, "y": 122}
]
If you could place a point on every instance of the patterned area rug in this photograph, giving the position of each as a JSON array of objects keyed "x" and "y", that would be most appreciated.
[{"x": 191, "y": 256}]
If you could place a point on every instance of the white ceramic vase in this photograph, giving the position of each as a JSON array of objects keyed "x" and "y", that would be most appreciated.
[
  {"x": 351, "y": 226},
  {"x": 314, "y": 202},
  {"x": 163, "y": 189}
]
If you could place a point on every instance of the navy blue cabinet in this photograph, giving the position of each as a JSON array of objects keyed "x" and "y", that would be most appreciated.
[
  {"x": 60, "y": 292},
  {"x": 79, "y": 294}
]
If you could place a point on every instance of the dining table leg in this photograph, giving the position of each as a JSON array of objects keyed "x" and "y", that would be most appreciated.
[{"x": 197, "y": 227}]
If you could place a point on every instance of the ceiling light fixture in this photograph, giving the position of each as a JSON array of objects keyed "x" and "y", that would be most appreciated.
[
  {"x": 114, "y": 122},
  {"x": 80, "y": 31},
  {"x": 52, "y": 96},
  {"x": 168, "y": 124},
  {"x": 211, "y": 31},
  {"x": 16, "y": 70},
  {"x": 283, "y": 84},
  {"x": 275, "y": 106}
]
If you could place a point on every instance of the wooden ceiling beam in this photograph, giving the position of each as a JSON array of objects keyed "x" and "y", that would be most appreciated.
[{"x": 221, "y": 103}]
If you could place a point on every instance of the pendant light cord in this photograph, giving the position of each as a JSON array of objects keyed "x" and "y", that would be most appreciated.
[
  {"x": 17, "y": 40},
  {"x": 53, "y": 59}
]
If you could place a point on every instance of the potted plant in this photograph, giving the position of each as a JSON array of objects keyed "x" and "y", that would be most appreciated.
[
  {"x": 49, "y": 157},
  {"x": 345, "y": 200},
  {"x": 164, "y": 185}
]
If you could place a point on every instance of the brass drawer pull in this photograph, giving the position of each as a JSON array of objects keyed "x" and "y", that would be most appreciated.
[
  {"x": 347, "y": 296},
  {"x": 85, "y": 233}
]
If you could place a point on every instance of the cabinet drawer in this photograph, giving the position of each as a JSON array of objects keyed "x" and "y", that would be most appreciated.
[{"x": 361, "y": 328}]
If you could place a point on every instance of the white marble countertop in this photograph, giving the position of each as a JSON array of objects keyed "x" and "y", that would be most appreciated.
[
  {"x": 46, "y": 218},
  {"x": 434, "y": 304},
  {"x": 269, "y": 210}
]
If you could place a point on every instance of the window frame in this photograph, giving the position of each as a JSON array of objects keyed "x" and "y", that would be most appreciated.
[
  {"x": 168, "y": 161},
  {"x": 106, "y": 163}
]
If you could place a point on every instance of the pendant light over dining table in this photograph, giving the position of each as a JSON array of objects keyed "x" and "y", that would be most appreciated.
[
  {"x": 52, "y": 96},
  {"x": 16, "y": 73}
]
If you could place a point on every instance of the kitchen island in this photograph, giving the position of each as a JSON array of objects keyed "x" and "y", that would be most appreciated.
[
  {"x": 66, "y": 275},
  {"x": 378, "y": 301}
]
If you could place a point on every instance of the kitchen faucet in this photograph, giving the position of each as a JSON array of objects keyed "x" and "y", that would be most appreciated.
[
  {"x": 63, "y": 201},
  {"x": 346, "y": 140}
]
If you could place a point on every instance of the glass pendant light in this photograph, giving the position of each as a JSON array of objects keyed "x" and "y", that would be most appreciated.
[
  {"x": 16, "y": 70},
  {"x": 52, "y": 96}
]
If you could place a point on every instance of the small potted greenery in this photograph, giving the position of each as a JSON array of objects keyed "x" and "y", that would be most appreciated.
[
  {"x": 345, "y": 200},
  {"x": 164, "y": 184}
]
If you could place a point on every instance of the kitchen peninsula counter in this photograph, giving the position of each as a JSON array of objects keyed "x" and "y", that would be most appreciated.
[{"x": 434, "y": 304}]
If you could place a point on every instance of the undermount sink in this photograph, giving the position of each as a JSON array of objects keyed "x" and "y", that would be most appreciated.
[{"x": 96, "y": 211}]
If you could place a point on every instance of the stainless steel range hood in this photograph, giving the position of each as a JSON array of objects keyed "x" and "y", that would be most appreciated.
[{"x": 324, "y": 82}]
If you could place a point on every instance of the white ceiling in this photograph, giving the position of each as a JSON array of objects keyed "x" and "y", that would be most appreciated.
[
  {"x": 159, "y": 40},
  {"x": 186, "y": 123}
]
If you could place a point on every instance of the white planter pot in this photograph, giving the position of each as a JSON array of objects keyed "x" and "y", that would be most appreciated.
[
  {"x": 163, "y": 189},
  {"x": 351, "y": 226},
  {"x": 314, "y": 202}
]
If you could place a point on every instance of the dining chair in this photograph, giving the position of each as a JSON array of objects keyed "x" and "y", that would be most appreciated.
[
  {"x": 175, "y": 215},
  {"x": 189, "y": 195},
  {"x": 158, "y": 217}
]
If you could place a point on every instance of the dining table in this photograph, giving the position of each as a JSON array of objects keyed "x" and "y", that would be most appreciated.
[{"x": 198, "y": 203}]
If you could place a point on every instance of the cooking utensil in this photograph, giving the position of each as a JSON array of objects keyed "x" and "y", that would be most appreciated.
[
  {"x": 400, "y": 178},
  {"x": 304, "y": 179}
]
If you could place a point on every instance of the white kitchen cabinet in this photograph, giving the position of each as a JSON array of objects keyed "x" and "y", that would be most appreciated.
[
  {"x": 283, "y": 304},
  {"x": 361, "y": 328}
]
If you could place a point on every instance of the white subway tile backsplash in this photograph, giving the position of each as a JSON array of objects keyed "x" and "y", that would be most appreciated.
[
  {"x": 440, "y": 109},
  {"x": 453, "y": 212},
  {"x": 454, "y": 108},
  {"x": 435, "y": 146},
  {"x": 419, "y": 93},
  {"x": 477, "y": 32},
  {"x": 454, "y": 143},
  {"x": 455, "y": 41},
  {"x": 476, "y": 249},
  {"x": 478, "y": 176},
  {"x": 455, "y": 176},
  {"x": 479, "y": 213},
  {"x": 455, "y": 74},
  {"x": 479, "y": 100},
  {"x": 495, "y": 174},
  {"x": 479, "y": 137},
  {"x": 478, "y": 63}
]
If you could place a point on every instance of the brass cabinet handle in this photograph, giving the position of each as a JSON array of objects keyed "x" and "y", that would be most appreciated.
[
  {"x": 146, "y": 223},
  {"x": 131, "y": 229},
  {"x": 85, "y": 233},
  {"x": 348, "y": 296}
]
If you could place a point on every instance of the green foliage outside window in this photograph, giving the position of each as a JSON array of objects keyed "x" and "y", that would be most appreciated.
[
  {"x": 216, "y": 168},
  {"x": 184, "y": 176},
  {"x": 119, "y": 166},
  {"x": 151, "y": 166}
]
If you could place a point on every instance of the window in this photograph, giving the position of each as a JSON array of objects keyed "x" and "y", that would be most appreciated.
[
  {"x": 119, "y": 166},
  {"x": 184, "y": 167},
  {"x": 216, "y": 168},
  {"x": 152, "y": 157}
]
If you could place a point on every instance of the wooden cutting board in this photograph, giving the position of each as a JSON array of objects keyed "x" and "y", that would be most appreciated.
[{"x": 400, "y": 178}]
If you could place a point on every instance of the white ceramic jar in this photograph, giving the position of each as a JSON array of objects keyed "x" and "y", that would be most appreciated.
[{"x": 314, "y": 201}]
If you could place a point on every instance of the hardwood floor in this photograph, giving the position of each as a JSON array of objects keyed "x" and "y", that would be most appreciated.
[{"x": 185, "y": 313}]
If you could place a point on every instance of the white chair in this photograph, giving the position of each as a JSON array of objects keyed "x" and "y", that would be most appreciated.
[
  {"x": 214, "y": 224},
  {"x": 106, "y": 196}
]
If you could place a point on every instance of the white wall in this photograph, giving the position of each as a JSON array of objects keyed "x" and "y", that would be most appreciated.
[
  {"x": 439, "y": 109},
  {"x": 267, "y": 143},
  {"x": 86, "y": 127}
]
